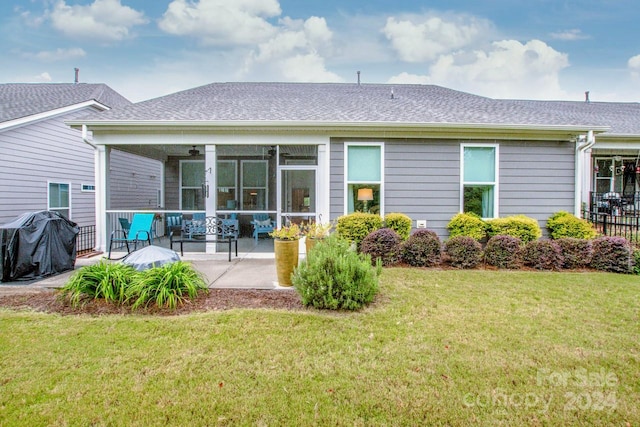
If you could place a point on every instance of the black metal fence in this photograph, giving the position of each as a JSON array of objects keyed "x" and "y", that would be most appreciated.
[
  {"x": 86, "y": 240},
  {"x": 617, "y": 204},
  {"x": 627, "y": 226}
]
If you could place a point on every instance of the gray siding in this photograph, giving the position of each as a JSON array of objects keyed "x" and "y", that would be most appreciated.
[
  {"x": 422, "y": 179},
  {"x": 38, "y": 152},
  {"x": 134, "y": 181}
]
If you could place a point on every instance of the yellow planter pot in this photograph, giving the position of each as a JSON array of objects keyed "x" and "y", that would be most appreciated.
[
  {"x": 286, "y": 252},
  {"x": 309, "y": 243}
]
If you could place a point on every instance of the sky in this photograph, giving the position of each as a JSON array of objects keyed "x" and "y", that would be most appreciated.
[{"x": 534, "y": 49}]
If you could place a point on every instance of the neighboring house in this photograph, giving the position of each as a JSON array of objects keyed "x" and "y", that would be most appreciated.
[
  {"x": 45, "y": 165},
  {"x": 303, "y": 152}
]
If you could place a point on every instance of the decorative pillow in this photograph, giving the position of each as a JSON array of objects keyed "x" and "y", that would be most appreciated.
[{"x": 264, "y": 223}]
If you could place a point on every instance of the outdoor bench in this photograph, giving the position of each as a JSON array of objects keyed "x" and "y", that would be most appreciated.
[{"x": 211, "y": 230}]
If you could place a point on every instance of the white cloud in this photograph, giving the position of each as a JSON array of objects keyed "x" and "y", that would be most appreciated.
[
  {"x": 42, "y": 78},
  {"x": 106, "y": 20},
  {"x": 509, "y": 69},
  {"x": 294, "y": 53},
  {"x": 418, "y": 39},
  {"x": 221, "y": 22},
  {"x": 634, "y": 66},
  {"x": 570, "y": 35},
  {"x": 409, "y": 79},
  {"x": 56, "y": 55}
]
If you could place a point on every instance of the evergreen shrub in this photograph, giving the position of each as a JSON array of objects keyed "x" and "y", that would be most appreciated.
[
  {"x": 422, "y": 249},
  {"x": 503, "y": 252},
  {"x": 463, "y": 252},
  {"x": 356, "y": 226},
  {"x": 523, "y": 227},
  {"x": 612, "y": 254},
  {"x": 543, "y": 255},
  {"x": 336, "y": 277},
  {"x": 400, "y": 223},
  {"x": 467, "y": 224},
  {"x": 563, "y": 224},
  {"x": 384, "y": 245},
  {"x": 575, "y": 252}
]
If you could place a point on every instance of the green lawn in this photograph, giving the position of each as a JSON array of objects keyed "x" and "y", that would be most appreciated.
[{"x": 438, "y": 347}]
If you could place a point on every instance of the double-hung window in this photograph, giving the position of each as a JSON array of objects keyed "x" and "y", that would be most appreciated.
[
  {"x": 364, "y": 173},
  {"x": 59, "y": 198},
  {"x": 479, "y": 179}
]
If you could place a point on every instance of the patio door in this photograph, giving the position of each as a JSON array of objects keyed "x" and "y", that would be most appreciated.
[
  {"x": 192, "y": 185},
  {"x": 297, "y": 194}
]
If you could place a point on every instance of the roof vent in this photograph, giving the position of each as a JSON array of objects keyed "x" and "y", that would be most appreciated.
[
  {"x": 392, "y": 96},
  {"x": 358, "y": 73},
  {"x": 77, "y": 70},
  {"x": 586, "y": 97}
]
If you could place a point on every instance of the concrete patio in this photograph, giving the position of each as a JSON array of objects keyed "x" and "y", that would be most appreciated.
[{"x": 253, "y": 268}]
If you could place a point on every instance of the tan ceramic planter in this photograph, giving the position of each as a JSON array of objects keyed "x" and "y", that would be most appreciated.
[{"x": 286, "y": 252}]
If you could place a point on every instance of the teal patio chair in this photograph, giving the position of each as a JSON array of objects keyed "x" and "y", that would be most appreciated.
[
  {"x": 139, "y": 231},
  {"x": 262, "y": 224}
]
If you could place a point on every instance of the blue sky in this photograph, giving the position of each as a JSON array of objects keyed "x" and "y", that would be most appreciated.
[{"x": 535, "y": 49}]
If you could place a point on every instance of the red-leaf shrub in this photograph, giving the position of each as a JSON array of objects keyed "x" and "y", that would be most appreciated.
[
  {"x": 612, "y": 254},
  {"x": 503, "y": 252},
  {"x": 422, "y": 249},
  {"x": 576, "y": 252},
  {"x": 463, "y": 252},
  {"x": 543, "y": 255},
  {"x": 383, "y": 243}
]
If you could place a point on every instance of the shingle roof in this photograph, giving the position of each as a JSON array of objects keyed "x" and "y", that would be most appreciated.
[
  {"x": 334, "y": 103},
  {"x": 18, "y": 100},
  {"x": 623, "y": 118}
]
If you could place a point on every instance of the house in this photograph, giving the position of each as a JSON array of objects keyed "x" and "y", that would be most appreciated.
[
  {"x": 304, "y": 152},
  {"x": 45, "y": 165}
]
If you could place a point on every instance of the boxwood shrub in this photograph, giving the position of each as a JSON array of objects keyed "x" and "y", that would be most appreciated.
[
  {"x": 467, "y": 224},
  {"x": 563, "y": 224},
  {"x": 336, "y": 277},
  {"x": 422, "y": 249},
  {"x": 523, "y": 227},
  {"x": 543, "y": 255},
  {"x": 356, "y": 226},
  {"x": 384, "y": 245},
  {"x": 463, "y": 252},
  {"x": 400, "y": 223},
  {"x": 575, "y": 252},
  {"x": 612, "y": 254},
  {"x": 503, "y": 252}
]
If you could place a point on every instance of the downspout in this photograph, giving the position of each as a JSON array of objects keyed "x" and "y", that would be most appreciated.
[
  {"x": 581, "y": 148},
  {"x": 97, "y": 175},
  {"x": 85, "y": 136}
]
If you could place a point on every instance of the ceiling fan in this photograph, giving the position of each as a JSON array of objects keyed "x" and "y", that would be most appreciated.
[{"x": 193, "y": 151}]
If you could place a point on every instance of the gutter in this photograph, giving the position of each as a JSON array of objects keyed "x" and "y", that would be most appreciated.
[{"x": 85, "y": 137}]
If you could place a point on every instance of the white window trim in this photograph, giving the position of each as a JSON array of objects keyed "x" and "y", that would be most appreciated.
[
  {"x": 346, "y": 174},
  {"x": 495, "y": 183},
  {"x": 182, "y": 162},
  {"x": 85, "y": 190},
  {"x": 49, "y": 208},
  {"x": 242, "y": 186}
]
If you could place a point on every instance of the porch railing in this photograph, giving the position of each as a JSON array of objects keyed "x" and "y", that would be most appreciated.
[
  {"x": 615, "y": 204},
  {"x": 627, "y": 226},
  {"x": 86, "y": 240}
]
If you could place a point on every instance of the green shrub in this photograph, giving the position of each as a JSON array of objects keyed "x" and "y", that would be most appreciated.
[
  {"x": 102, "y": 280},
  {"x": 523, "y": 227},
  {"x": 422, "y": 249},
  {"x": 636, "y": 261},
  {"x": 577, "y": 253},
  {"x": 356, "y": 226},
  {"x": 463, "y": 252},
  {"x": 336, "y": 277},
  {"x": 467, "y": 224},
  {"x": 612, "y": 254},
  {"x": 543, "y": 255},
  {"x": 383, "y": 245},
  {"x": 400, "y": 223},
  {"x": 563, "y": 224},
  {"x": 167, "y": 286},
  {"x": 503, "y": 252}
]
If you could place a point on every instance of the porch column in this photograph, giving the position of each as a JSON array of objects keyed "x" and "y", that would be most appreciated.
[
  {"x": 211, "y": 196},
  {"x": 102, "y": 165},
  {"x": 323, "y": 184}
]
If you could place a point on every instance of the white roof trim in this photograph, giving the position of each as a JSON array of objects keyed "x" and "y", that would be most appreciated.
[{"x": 46, "y": 114}]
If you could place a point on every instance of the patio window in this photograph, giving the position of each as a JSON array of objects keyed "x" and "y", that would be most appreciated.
[
  {"x": 227, "y": 187},
  {"x": 59, "y": 198},
  {"x": 364, "y": 189},
  {"x": 191, "y": 184},
  {"x": 255, "y": 184},
  {"x": 479, "y": 181}
]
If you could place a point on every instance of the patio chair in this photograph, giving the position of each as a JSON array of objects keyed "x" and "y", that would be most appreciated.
[
  {"x": 173, "y": 220},
  {"x": 125, "y": 225},
  {"x": 262, "y": 224},
  {"x": 139, "y": 231}
]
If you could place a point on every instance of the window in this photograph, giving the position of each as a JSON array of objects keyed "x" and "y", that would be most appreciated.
[
  {"x": 363, "y": 167},
  {"x": 88, "y": 187},
  {"x": 191, "y": 184},
  {"x": 479, "y": 183},
  {"x": 59, "y": 198},
  {"x": 226, "y": 181},
  {"x": 254, "y": 184}
]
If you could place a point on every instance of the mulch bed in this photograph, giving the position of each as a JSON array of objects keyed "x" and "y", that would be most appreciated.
[{"x": 216, "y": 299}]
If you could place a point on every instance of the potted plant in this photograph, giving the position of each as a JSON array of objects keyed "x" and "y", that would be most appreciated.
[
  {"x": 315, "y": 231},
  {"x": 285, "y": 247}
]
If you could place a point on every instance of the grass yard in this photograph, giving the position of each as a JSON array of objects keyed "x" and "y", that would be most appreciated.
[{"x": 438, "y": 348}]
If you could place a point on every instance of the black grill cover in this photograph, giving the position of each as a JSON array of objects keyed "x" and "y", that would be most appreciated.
[{"x": 37, "y": 244}]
